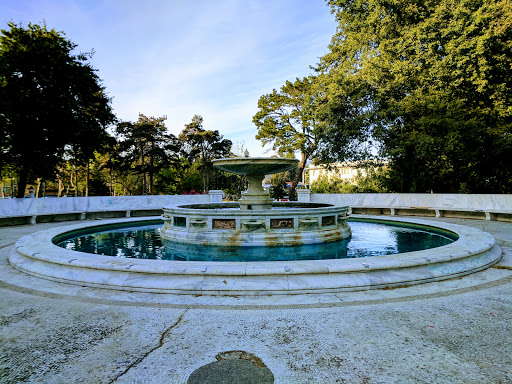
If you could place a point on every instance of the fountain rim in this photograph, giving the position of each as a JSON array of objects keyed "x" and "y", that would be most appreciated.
[
  {"x": 256, "y": 159},
  {"x": 39, "y": 246},
  {"x": 231, "y": 208},
  {"x": 281, "y": 163}
]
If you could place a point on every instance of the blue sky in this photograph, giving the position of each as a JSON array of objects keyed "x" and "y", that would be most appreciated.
[{"x": 184, "y": 57}]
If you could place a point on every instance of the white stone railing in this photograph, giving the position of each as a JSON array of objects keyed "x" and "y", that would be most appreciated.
[
  {"x": 32, "y": 210},
  {"x": 475, "y": 206}
]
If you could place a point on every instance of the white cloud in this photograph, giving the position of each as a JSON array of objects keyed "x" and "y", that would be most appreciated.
[{"x": 179, "y": 58}]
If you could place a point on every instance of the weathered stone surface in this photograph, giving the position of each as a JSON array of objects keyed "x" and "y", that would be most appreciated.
[{"x": 450, "y": 332}]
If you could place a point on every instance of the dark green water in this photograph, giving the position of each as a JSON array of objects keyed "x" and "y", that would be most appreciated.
[{"x": 368, "y": 239}]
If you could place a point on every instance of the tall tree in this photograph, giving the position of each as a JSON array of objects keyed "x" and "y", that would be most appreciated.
[
  {"x": 435, "y": 78},
  {"x": 50, "y": 98},
  {"x": 203, "y": 145},
  {"x": 147, "y": 147},
  {"x": 287, "y": 120}
]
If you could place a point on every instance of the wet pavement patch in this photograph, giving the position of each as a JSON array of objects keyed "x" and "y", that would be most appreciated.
[{"x": 233, "y": 367}]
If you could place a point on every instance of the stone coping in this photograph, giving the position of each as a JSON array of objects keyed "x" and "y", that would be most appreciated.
[
  {"x": 475, "y": 250},
  {"x": 288, "y": 208},
  {"x": 492, "y": 207},
  {"x": 475, "y": 206},
  {"x": 32, "y": 211}
]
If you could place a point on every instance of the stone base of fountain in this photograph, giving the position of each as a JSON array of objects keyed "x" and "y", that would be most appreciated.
[
  {"x": 287, "y": 223},
  {"x": 37, "y": 255}
]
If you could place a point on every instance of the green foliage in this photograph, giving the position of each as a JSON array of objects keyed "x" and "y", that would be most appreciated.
[
  {"x": 370, "y": 181},
  {"x": 373, "y": 180},
  {"x": 278, "y": 191},
  {"x": 190, "y": 180},
  {"x": 204, "y": 146},
  {"x": 430, "y": 81},
  {"x": 287, "y": 120},
  {"x": 50, "y": 100},
  {"x": 147, "y": 148},
  {"x": 326, "y": 184}
]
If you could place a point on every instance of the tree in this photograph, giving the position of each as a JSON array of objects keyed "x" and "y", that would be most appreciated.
[
  {"x": 50, "y": 100},
  {"x": 287, "y": 119},
  {"x": 147, "y": 147},
  {"x": 204, "y": 146},
  {"x": 430, "y": 81}
]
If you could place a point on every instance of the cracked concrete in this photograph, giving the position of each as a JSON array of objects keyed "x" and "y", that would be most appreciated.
[
  {"x": 146, "y": 354},
  {"x": 456, "y": 331}
]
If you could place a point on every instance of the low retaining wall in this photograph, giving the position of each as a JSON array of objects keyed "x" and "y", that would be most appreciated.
[
  {"x": 31, "y": 210},
  {"x": 474, "y": 206}
]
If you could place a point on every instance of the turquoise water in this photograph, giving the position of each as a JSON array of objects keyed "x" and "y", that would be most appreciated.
[{"x": 368, "y": 239}]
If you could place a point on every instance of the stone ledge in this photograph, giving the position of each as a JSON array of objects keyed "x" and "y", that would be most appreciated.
[{"x": 475, "y": 250}]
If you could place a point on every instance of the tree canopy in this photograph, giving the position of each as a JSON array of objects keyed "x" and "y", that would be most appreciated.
[
  {"x": 147, "y": 148},
  {"x": 204, "y": 145},
  {"x": 430, "y": 81},
  {"x": 287, "y": 120},
  {"x": 51, "y": 100}
]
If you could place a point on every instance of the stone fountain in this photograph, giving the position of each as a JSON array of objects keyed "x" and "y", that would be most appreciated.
[
  {"x": 255, "y": 220},
  {"x": 254, "y": 169},
  {"x": 234, "y": 224}
]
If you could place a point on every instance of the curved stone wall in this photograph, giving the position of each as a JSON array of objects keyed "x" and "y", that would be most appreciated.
[
  {"x": 483, "y": 206},
  {"x": 473, "y": 206},
  {"x": 287, "y": 223},
  {"x": 475, "y": 250}
]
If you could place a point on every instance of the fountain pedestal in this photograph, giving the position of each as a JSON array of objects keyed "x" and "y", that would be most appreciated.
[{"x": 255, "y": 197}]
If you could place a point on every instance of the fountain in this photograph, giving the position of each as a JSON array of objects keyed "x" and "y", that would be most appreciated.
[{"x": 255, "y": 220}]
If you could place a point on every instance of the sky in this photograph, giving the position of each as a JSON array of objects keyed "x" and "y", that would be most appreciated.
[{"x": 179, "y": 58}]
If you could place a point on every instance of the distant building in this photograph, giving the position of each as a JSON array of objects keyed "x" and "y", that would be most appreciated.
[{"x": 344, "y": 171}]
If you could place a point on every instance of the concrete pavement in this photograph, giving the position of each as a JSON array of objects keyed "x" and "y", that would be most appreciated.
[{"x": 454, "y": 331}]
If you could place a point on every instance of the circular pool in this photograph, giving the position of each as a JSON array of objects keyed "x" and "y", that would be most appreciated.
[
  {"x": 36, "y": 254},
  {"x": 143, "y": 241}
]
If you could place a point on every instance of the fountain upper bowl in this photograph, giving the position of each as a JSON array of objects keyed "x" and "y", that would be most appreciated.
[{"x": 255, "y": 165}]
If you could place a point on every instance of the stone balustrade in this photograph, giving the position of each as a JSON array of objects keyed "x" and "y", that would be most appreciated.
[
  {"x": 474, "y": 206},
  {"x": 32, "y": 210},
  {"x": 471, "y": 206}
]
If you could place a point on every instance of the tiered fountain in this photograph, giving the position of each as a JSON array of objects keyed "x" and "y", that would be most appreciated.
[{"x": 255, "y": 220}]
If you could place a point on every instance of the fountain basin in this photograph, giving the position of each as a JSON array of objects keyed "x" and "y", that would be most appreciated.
[
  {"x": 287, "y": 223},
  {"x": 255, "y": 169},
  {"x": 37, "y": 255},
  {"x": 255, "y": 165}
]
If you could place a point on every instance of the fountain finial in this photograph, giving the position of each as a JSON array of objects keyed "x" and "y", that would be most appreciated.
[{"x": 246, "y": 153}]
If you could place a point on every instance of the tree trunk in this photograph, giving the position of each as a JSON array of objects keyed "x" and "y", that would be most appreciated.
[
  {"x": 298, "y": 177},
  {"x": 61, "y": 188},
  {"x": 38, "y": 188},
  {"x": 87, "y": 180},
  {"x": 110, "y": 184},
  {"x": 22, "y": 183},
  {"x": 151, "y": 169}
]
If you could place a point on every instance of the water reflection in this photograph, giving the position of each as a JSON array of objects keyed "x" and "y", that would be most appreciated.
[{"x": 368, "y": 239}]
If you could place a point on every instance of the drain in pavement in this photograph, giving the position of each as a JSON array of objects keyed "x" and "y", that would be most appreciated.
[{"x": 233, "y": 367}]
